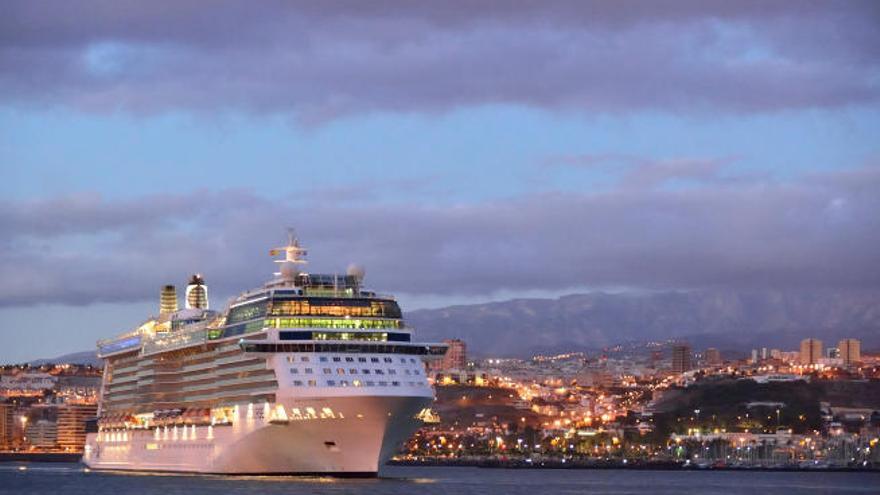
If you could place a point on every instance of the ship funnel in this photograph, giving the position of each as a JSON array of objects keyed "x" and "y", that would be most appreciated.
[
  {"x": 168, "y": 300},
  {"x": 197, "y": 293}
]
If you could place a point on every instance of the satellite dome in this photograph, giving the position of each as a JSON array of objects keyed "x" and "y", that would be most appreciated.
[{"x": 356, "y": 270}]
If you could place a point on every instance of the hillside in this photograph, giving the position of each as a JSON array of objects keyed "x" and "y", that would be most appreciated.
[
  {"x": 729, "y": 320},
  {"x": 584, "y": 322}
]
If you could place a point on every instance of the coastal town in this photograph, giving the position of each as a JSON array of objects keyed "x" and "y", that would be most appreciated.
[
  {"x": 655, "y": 404},
  {"x": 658, "y": 404}
]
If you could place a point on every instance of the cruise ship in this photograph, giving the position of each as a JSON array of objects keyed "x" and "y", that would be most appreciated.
[{"x": 310, "y": 374}]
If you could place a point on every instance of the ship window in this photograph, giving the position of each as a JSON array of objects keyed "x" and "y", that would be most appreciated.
[
  {"x": 356, "y": 383},
  {"x": 340, "y": 371},
  {"x": 309, "y": 371},
  {"x": 388, "y": 360},
  {"x": 412, "y": 360},
  {"x": 344, "y": 383},
  {"x": 396, "y": 384},
  {"x": 289, "y": 359},
  {"x": 383, "y": 384},
  {"x": 348, "y": 347},
  {"x": 335, "y": 307},
  {"x": 349, "y": 359},
  {"x": 370, "y": 383},
  {"x": 352, "y": 371},
  {"x": 247, "y": 312},
  {"x": 335, "y": 323},
  {"x": 336, "y": 359},
  {"x": 304, "y": 359},
  {"x": 380, "y": 372},
  {"x": 312, "y": 383},
  {"x": 331, "y": 383},
  {"x": 323, "y": 359},
  {"x": 294, "y": 371},
  {"x": 392, "y": 372},
  {"x": 366, "y": 372},
  {"x": 403, "y": 360},
  {"x": 374, "y": 360},
  {"x": 408, "y": 372},
  {"x": 327, "y": 371},
  {"x": 415, "y": 372},
  {"x": 297, "y": 383},
  {"x": 362, "y": 360}
]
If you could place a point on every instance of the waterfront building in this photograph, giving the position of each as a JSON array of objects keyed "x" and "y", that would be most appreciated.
[
  {"x": 464, "y": 377},
  {"x": 7, "y": 425},
  {"x": 42, "y": 434},
  {"x": 811, "y": 351},
  {"x": 713, "y": 357},
  {"x": 455, "y": 358},
  {"x": 72, "y": 425},
  {"x": 850, "y": 351},
  {"x": 27, "y": 380},
  {"x": 681, "y": 358}
]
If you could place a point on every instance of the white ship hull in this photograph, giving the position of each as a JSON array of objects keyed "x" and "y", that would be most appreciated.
[
  {"x": 364, "y": 432},
  {"x": 309, "y": 374}
]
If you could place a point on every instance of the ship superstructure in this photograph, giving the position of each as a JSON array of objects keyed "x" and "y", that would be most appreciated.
[{"x": 310, "y": 373}]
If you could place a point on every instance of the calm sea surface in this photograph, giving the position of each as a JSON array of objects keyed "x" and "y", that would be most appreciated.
[{"x": 73, "y": 479}]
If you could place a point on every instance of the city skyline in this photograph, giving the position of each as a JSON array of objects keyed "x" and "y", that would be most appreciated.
[{"x": 458, "y": 154}]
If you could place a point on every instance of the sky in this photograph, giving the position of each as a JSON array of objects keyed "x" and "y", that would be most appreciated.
[{"x": 459, "y": 151}]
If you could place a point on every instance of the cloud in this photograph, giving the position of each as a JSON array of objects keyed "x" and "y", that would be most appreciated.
[
  {"x": 639, "y": 172},
  {"x": 320, "y": 61},
  {"x": 818, "y": 231}
]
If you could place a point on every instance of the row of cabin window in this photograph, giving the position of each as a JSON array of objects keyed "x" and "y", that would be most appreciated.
[
  {"x": 348, "y": 359},
  {"x": 354, "y": 371},
  {"x": 356, "y": 383}
]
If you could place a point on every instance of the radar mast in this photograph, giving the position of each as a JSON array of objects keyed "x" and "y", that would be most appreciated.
[{"x": 294, "y": 256}]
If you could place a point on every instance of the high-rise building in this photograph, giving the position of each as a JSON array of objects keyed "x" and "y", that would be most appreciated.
[
  {"x": 681, "y": 358},
  {"x": 72, "y": 425},
  {"x": 168, "y": 300},
  {"x": 850, "y": 350},
  {"x": 7, "y": 425},
  {"x": 455, "y": 358},
  {"x": 713, "y": 357},
  {"x": 42, "y": 434},
  {"x": 197, "y": 293},
  {"x": 811, "y": 351}
]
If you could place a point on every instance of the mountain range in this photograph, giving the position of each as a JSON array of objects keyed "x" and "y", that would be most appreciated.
[{"x": 728, "y": 320}]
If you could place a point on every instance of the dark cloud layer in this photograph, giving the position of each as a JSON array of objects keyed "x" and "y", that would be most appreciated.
[
  {"x": 320, "y": 60},
  {"x": 819, "y": 231}
]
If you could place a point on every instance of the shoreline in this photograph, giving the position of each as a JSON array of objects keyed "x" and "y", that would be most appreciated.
[
  {"x": 619, "y": 465},
  {"x": 583, "y": 464},
  {"x": 40, "y": 456}
]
